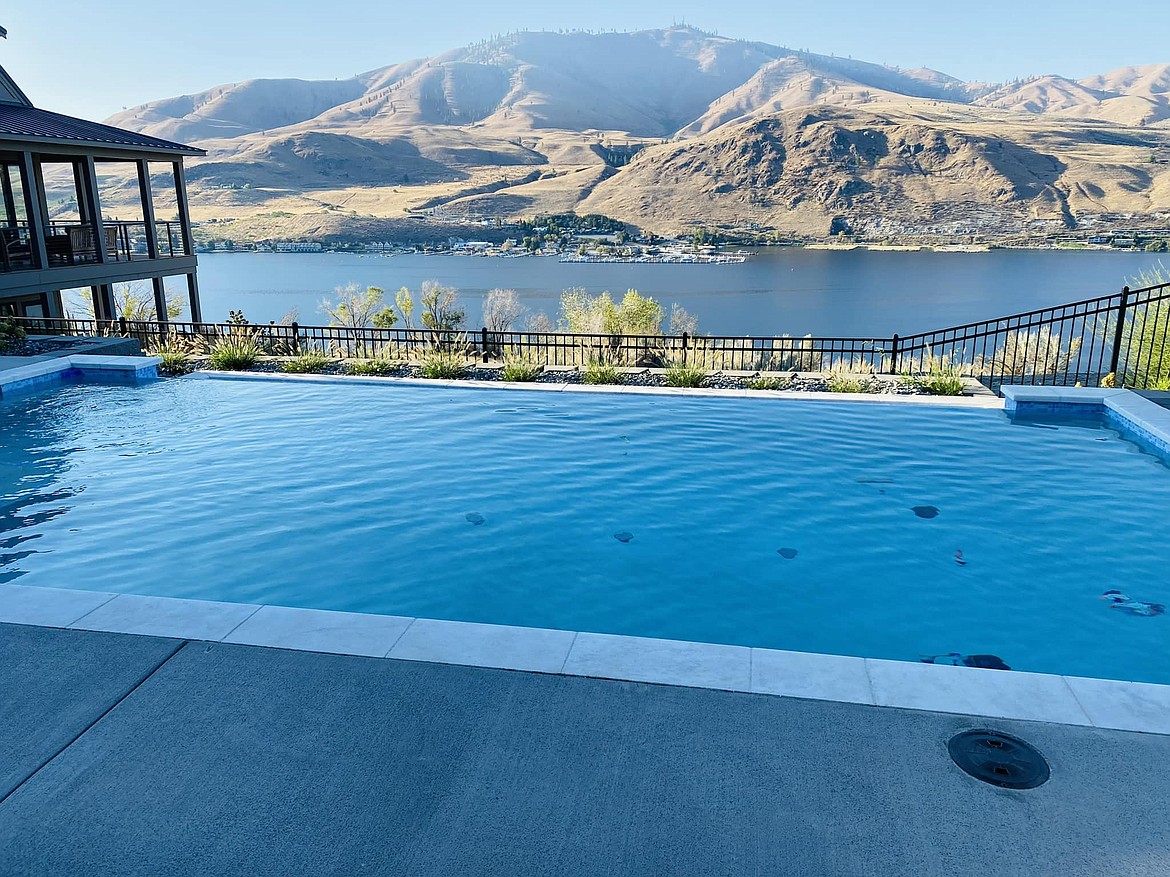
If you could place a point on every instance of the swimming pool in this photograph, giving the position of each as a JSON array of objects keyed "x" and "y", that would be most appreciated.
[{"x": 812, "y": 526}]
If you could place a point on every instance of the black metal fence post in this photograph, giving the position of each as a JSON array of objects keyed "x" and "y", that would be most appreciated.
[
  {"x": 1119, "y": 334},
  {"x": 484, "y": 342},
  {"x": 894, "y": 354}
]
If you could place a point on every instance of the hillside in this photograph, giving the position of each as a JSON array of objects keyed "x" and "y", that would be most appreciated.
[{"x": 672, "y": 128}]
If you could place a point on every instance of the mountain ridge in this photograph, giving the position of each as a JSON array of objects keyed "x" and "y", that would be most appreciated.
[{"x": 539, "y": 122}]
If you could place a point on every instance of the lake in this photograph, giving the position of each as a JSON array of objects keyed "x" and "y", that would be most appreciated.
[{"x": 796, "y": 291}]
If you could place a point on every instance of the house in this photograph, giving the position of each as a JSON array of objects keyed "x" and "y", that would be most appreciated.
[{"x": 54, "y": 233}]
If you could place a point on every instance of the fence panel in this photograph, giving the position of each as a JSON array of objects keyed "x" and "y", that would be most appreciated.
[{"x": 1126, "y": 334}]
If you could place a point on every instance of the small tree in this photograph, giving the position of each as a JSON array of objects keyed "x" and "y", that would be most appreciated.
[
  {"x": 596, "y": 315},
  {"x": 132, "y": 301},
  {"x": 502, "y": 310},
  {"x": 681, "y": 320},
  {"x": 405, "y": 305},
  {"x": 439, "y": 309},
  {"x": 355, "y": 309}
]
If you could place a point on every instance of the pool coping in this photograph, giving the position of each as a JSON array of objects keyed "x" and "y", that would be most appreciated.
[
  {"x": 975, "y": 401},
  {"x": 40, "y": 374},
  {"x": 994, "y": 694},
  {"x": 1141, "y": 420}
]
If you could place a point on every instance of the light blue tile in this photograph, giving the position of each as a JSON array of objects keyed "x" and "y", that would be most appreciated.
[
  {"x": 814, "y": 676},
  {"x": 1125, "y": 706},
  {"x": 48, "y": 607},
  {"x": 971, "y": 691},
  {"x": 669, "y": 662},
  {"x": 484, "y": 645},
  {"x": 166, "y": 616},
  {"x": 316, "y": 630}
]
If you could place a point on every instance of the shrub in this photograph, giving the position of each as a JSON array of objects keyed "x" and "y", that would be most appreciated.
[
  {"x": 942, "y": 376},
  {"x": 842, "y": 380},
  {"x": 769, "y": 382},
  {"x": 519, "y": 367},
  {"x": 1026, "y": 353},
  {"x": 1145, "y": 339},
  {"x": 175, "y": 352},
  {"x": 233, "y": 353},
  {"x": 685, "y": 374},
  {"x": 940, "y": 384},
  {"x": 310, "y": 362},
  {"x": 444, "y": 365},
  {"x": 384, "y": 363},
  {"x": 599, "y": 315},
  {"x": 598, "y": 371},
  {"x": 10, "y": 332}
]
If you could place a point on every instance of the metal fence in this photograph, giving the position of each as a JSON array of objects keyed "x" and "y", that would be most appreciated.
[{"x": 1126, "y": 334}]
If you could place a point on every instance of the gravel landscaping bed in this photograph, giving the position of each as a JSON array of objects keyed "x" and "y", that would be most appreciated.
[
  {"x": 36, "y": 346},
  {"x": 808, "y": 383}
]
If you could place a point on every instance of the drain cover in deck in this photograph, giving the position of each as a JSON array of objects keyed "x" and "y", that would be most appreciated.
[{"x": 999, "y": 759}]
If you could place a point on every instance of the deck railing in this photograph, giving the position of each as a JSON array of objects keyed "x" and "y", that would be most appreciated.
[
  {"x": 1126, "y": 335},
  {"x": 75, "y": 243}
]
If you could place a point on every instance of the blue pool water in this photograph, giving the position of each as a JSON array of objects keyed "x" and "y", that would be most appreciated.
[{"x": 366, "y": 498}]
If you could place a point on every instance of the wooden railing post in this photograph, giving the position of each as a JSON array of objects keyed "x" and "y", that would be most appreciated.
[{"x": 1119, "y": 334}]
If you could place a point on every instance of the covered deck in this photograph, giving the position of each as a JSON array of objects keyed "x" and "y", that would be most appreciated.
[{"x": 56, "y": 232}]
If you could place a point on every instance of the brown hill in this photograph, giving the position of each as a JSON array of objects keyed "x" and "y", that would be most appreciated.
[{"x": 672, "y": 127}]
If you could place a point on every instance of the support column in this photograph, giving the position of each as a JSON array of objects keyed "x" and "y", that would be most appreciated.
[
  {"x": 35, "y": 207},
  {"x": 184, "y": 208},
  {"x": 148, "y": 209},
  {"x": 193, "y": 294},
  {"x": 95, "y": 209},
  {"x": 9, "y": 198},
  {"x": 56, "y": 308},
  {"x": 160, "y": 300},
  {"x": 103, "y": 301}
]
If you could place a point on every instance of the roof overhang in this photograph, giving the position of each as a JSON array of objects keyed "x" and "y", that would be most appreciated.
[{"x": 10, "y": 143}]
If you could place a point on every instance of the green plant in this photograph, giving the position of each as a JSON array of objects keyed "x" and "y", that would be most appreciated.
[
  {"x": 175, "y": 352},
  {"x": 1145, "y": 337},
  {"x": 387, "y": 361},
  {"x": 234, "y": 352},
  {"x": 440, "y": 364},
  {"x": 597, "y": 315},
  {"x": 10, "y": 332},
  {"x": 355, "y": 309},
  {"x": 941, "y": 375},
  {"x": 520, "y": 367},
  {"x": 439, "y": 309},
  {"x": 600, "y": 365},
  {"x": 842, "y": 380},
  {"x": 310, "y": 362},
  {"x": 685, "y": 374},
  {"x": 1027, "y": 353},
  {"x": 940, "y": 384},
  {"x": 769, "y": 382}
]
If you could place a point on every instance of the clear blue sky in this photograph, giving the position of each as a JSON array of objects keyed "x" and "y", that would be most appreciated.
[{"x": 91, "y": 58}]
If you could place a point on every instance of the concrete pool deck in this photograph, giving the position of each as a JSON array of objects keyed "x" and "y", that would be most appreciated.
[{"x": 145, "y": 755}]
